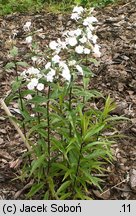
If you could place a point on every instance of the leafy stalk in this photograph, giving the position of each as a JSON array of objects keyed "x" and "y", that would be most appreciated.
[
  {"x": 48, "y": 129},
  {"x": 78, "y": 165},
  {"x": 19, "y": 93},
  {"x": 70, "y": 103}
]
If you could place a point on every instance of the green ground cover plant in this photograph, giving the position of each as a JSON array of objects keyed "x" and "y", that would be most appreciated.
[
  {"x": 11, "y": 6},
  {"x": 68, "y": 138}
]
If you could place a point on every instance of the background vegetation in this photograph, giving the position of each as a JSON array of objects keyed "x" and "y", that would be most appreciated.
[{"x": 11, "y": 6}]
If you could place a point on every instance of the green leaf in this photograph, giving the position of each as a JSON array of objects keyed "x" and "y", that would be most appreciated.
[
  {"x": 40, "y": 109},
  {"x": 72, "y": 145},
  {"x": 87, "y": 71},
  {"x": 79, "y": 193},
  {"x": 38, "y": 163},
  {"x": 46, "y": 196},
  {"x": 109, "y": 106},
  {"x": 92, "y": 131},
  {"x": 35, "y": 188},
  {"x": 10, "y": 65},
  {"x": 117, "y": 118},
  {"x": 38, "y": 99},
  {"x": 63, "y": 187},
  {"x": 14, "y": 52},
  {"x": 23, "y": 64},
  {"x": 91, "y": 179},
  {"x": 68, "y": 173},
  {"x": 58, "y": 145},
  {"x": 51, "y": 187},
  {"x": 11, "y": 97},
  {"x": 93, "y": 60},
  {"x": 97, "y": 143},
  {"x": 39, "y": 129},
  {"x": 16, "y": 85},
  {"x": 26, "y": 92},
  {"x": 65, "y": 196},
  {"x": 59, "y": 166},
  {"x": 97, "y": 154}
]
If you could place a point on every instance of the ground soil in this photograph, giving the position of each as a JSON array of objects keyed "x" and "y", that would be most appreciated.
[{"x": 115, "y": 75}]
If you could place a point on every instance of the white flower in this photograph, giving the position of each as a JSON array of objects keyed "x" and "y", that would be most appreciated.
[
  {"x": 32, "y": 115},
  {"x": 90, "y": 27},
  {"x": 50, "y": 75},
  {"x": 28, "y": 97},
  {"x": 96, "y": 50},
  {"x": 56, "y": 59},
  {"x": 75, "y": 16},
  {"x": 86, "y": 51},
  {"x": 49, "y": 78},
  {"x": 65, "y": 71},
  {"x": 72, "y": 41},
  {"x": 34, "y": 81},
  {"x": 91, "y": 10},
  {"x": 66, "y": 74},
  {"x": 40, "y": 86},
  {"x": 62, "y": 44},
  {"x": 33, "y": 71},
  {"x": 53, "y": 45},
  {"x": 85, "y": 23},
  {"x": 71, "y": 33},
  {"x": 72, "y": 63},
  {"x": 63, "y": 65},
  {"x": 29, "y": 40},
  {"x": 78, "y": 10},
  {"x": 78, "y": 32},
  {"x": 83, "y": 39},
  {"x": 79, "y": 49},
  {"x": 34, "y": 58},
  {"x": 94, "y": 38},
  {"x": 89, "y": 20},
  {"x": 80, "y": 70},
  {"x": 52, "y": 72},
  {"x": 27, "y": 25},
  {"x": 48, "y": 65},
  {"x": 92, "y": 19},
  {"x": 32, "y": 84},
  {"x": 89, "y": 34},
  {"x": 23, "y": 74}
]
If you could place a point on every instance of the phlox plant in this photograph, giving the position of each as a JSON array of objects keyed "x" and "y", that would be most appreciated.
[{"x": 69, "y": 146}]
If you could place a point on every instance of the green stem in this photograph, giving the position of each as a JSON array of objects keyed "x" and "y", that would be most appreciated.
[
  {"x": 48, "y": 130},
  {"x": 78, "y": 165},
  {"x": 38, "y": 114},
  {"x": 20, "y": 97},
  {"x": 70, "y": 104}
]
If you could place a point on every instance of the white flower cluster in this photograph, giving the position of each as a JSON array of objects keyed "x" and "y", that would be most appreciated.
[
  {"x": 58, "y": 65},
  {"x": 33, "y": 75},
  {"x": 80, "y": 41},
  {"x": 77, "y": 11},
  {"x": 27, "y": 26}
]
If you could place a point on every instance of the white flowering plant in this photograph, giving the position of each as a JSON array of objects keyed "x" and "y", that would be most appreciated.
[{"x": 65, "y": 130}]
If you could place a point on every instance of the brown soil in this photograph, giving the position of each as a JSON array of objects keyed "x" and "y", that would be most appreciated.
[{"x": 116, "y": 75}]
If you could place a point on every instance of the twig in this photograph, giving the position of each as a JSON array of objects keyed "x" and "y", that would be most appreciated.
[
  {"x": 18, "y": 193},
  {"x": 124, "y": 190},
  {"x": 114, "y": 186},
  {"x": 7, "y": 111}
]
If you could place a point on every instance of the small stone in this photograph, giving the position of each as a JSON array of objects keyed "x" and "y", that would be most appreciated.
[
  {"x": 123, "y": 160},
  {"x": 121, "y": 106},
  {"x": 3, "y": 131},
  {"x": 1, "y": 141},
  {"x": 133, "y": 179},
  {"x": 122, "y": 167},
  {"x": 133, "y": 129}
]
